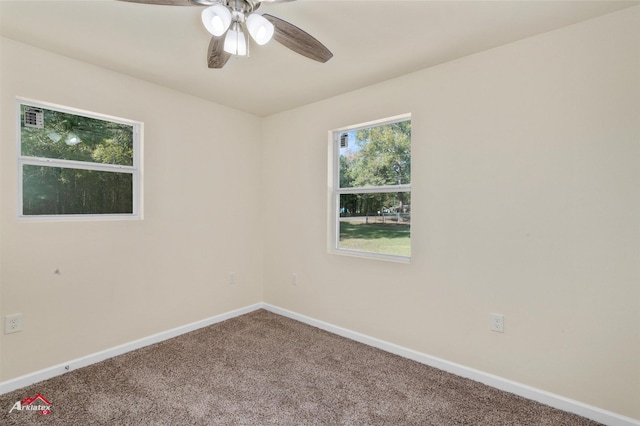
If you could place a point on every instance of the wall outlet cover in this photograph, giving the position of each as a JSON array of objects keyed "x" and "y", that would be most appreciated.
[
  {"x": 497, "y": 323},
  {"x": 12, "y": 323}
]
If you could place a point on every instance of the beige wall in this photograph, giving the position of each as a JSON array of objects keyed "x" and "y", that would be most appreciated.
[
  {"x": 526, "y": 169},
  {"x": 124, "y": 280},
  {"x": 525, "y": 202}
]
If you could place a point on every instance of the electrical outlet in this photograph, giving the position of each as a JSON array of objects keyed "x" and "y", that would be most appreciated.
[
  {"x": 232, "y": 278},
  {"x": 294, "y": 279},
  {"x": 497, "y": 323},
  {"x": 12, "y": 323}
]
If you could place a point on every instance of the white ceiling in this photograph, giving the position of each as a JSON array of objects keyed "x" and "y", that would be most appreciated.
[{"x": 372, "y": 41}]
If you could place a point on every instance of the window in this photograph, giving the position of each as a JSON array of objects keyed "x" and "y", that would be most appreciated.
[
  {"x": 77, "y": 164},
  {"x": 370, "y": 183}
]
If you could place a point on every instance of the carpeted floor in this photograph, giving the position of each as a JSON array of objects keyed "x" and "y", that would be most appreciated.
[{"x": 265, "y": 369}]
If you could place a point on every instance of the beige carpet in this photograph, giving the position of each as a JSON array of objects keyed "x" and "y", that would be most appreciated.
[{"x": 265, "y": 369}]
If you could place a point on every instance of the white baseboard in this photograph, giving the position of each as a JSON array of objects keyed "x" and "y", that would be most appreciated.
[
  {"x": 544, "y": 397},
  {"x": 547, "y": 398},
  {"x": 57, "y": 370}
]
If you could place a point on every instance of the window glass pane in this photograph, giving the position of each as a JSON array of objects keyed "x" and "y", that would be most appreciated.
[
  {"x": 56, "y": 191},
  {"x": 65, "y": 136},
  {"x": 376, "y": 223},
  {"x": 376, "y": 156}
]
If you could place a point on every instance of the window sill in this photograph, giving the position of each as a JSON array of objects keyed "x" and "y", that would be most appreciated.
[{"x": 374, "y": 256}]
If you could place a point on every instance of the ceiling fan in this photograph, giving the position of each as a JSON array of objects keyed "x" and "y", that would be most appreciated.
[{"x": 228, "y": 21}]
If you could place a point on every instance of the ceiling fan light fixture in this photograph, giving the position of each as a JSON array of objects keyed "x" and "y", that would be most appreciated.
[
  {"x": 216, "y": 19},
  {"x": 260, "y": 29},
  {"x": 233, "y": 23},
  {"x": 235, "y": 42}
]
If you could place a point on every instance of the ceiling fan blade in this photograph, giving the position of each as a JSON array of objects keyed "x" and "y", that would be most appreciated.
[
  {"x": 298, "y": 40},
  {"x": 216, "y": 56},
  {"x": 164, "y": 2}
]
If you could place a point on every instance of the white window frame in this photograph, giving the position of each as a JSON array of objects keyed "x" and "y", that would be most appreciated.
[
  {"x": 335, "y": 191},
  {"x": 135, "y": 169}
]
